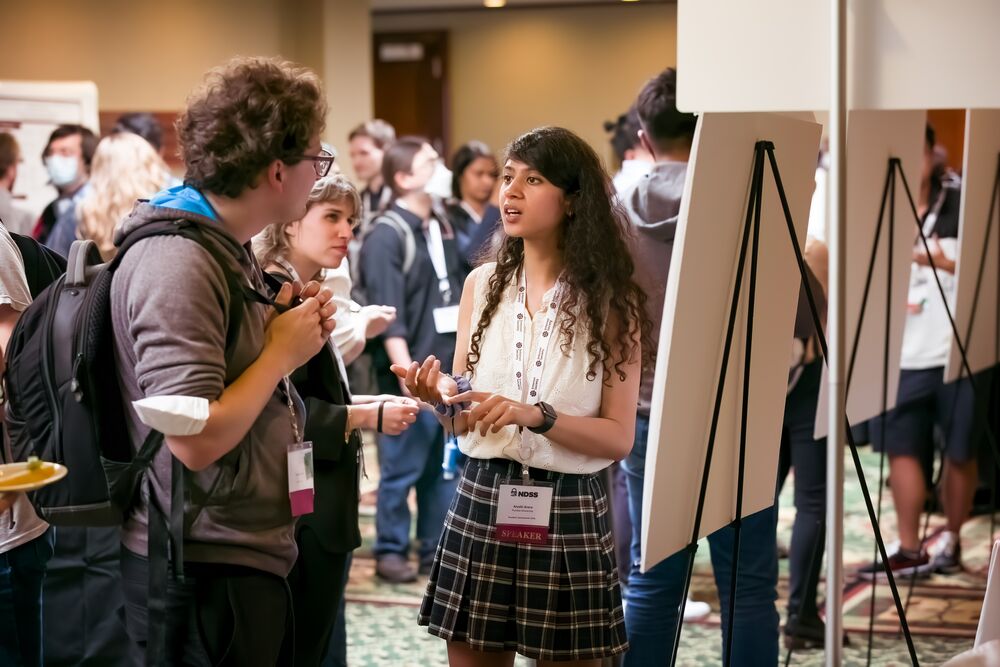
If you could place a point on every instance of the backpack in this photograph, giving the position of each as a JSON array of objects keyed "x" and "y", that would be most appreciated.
[
  {"x": 42, "y": 265},
  {"x": 64, "y": 401},
  {"x": 65, "y": 405},
  {"x": 392, "y": 219}
]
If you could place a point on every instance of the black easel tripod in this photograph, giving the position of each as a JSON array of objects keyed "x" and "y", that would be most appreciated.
[{"x": 763, "y": 149}]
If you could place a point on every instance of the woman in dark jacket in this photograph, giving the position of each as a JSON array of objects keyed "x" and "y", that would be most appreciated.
[
  {"x": 297, "y": 252},
  {"x": 473, "y": 212}
]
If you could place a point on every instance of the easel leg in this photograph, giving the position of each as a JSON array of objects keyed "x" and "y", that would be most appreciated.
[{"x": 850, "y": 439}]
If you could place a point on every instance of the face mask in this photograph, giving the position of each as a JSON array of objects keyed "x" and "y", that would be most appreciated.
[
  {"x": 439, "y": 184},
  {"x": 62, "y": 169}
]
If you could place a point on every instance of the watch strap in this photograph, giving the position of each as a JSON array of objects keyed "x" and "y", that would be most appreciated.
[{"x": 548, "y": 418}]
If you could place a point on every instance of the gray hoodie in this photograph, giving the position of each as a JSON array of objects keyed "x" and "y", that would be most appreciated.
[
  {"x": 170, "y": 308},
  {"x": 653, "y": 206}
]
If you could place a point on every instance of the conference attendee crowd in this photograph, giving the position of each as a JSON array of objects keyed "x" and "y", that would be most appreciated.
[{"x": 487, "y": 322}]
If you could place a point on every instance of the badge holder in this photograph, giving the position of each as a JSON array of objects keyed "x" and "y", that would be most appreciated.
[
  {"x": 524, "y": 510},
  {"x": 301, "y": 480}
]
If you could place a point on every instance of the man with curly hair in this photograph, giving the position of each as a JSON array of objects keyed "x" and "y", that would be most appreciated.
[{"x": 250, "y": 142}]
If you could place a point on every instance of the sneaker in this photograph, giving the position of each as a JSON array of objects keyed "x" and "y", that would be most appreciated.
[
  {"x": 395, "y": 569},
  {"x": 695, "y": 611},
  {"x": 946, "y": 556},
  {"x": 902, "y": 564}
]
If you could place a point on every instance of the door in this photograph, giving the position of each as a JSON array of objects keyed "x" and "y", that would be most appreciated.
[{"x": 411, "y": 84}]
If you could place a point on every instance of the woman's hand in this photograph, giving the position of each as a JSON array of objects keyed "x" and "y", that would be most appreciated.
[
  {"x": 397, "y": 415},
  {"x": 426, "y": 381},
  {"x": 378, "y": 319},
  {"x": 492, "y": 412}
]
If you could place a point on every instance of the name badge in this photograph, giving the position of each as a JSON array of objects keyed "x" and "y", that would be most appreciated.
[
  {"x": 446, "y": 319},
  {"x": 301, "y": 484},
  {"x": 523, "y": 513}
]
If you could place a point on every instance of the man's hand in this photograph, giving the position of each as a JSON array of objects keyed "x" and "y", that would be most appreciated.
[{"x": 294, "y": 336}]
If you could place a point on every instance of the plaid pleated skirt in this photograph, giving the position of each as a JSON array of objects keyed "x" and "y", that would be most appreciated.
[{"x": 557, "y": 601}]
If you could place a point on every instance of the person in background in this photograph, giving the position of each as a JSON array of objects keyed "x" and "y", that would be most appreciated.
[
  {"x": 924, "y": 403},
  {"x": 25, "y": 540},
  {"x": 125, "y": 168},
  {"x": 16, "y": 219},
  {"x": 367, "y": 145},
  {"x": 143, "y": 124},
  {"x": 634, "y": 160},
  {"x": 473, "y": 212},
  {"x": 425, "y": 295},
  {"x": 67, "y": 157},
  {"x": 807, "y": 456},
  {"x": 298, "y": 251},
  {"x": 654, "y": 596}
]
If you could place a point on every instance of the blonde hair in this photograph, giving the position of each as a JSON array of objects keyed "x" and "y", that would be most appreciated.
[
  {"x": 273, "y": 241},
  {"x": 125, "y": 168}
]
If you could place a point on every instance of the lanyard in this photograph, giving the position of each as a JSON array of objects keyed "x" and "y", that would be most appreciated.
[
  {"x": 530, "y": 368},
  {"x": 435, "y": 248},
  {"x": 291, "y": 410}
]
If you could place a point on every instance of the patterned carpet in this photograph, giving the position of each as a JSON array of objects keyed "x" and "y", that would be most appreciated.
[{"x": 942, "y": 612}]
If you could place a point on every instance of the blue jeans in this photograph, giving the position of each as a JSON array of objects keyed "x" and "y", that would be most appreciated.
[
  {"x": 412, "y": 459},
  {"x": 22, "y": 570},
  {"x": 654, "y": 597}
]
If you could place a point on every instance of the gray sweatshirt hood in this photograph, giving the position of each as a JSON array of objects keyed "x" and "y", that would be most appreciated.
[
  {"x": 146, "y": 212},
  {"x": 653, "y": 204}
]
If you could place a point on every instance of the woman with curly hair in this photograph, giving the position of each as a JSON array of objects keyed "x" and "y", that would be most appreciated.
[{"x": 549, "y": 336}]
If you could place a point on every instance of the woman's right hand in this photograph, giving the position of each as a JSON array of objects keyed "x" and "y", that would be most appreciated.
[
  {"x": 426, "y": 381},
  {"x": 296, "y": 335},
  {"x": 397, "y": 415}
]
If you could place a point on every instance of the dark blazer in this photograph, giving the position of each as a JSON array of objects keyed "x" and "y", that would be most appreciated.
[{"x": 335, "y": 461}]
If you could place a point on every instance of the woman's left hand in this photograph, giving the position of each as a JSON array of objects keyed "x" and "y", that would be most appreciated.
[{"x": 492, "y": 412}]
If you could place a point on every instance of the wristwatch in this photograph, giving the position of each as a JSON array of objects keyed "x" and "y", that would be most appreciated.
[{"x": 548, "y": 418}]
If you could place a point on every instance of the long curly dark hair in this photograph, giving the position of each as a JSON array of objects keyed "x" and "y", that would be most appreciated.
[{"x": 597, "y": 265}]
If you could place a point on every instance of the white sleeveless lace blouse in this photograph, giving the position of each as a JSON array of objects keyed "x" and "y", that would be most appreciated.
[{"x": 564, "y": 384}]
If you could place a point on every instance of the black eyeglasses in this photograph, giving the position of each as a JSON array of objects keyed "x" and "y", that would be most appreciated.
[{"x": 324, "y": 161}]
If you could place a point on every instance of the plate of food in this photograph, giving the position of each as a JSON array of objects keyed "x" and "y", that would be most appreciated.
[{"x": 29, "y": 475}]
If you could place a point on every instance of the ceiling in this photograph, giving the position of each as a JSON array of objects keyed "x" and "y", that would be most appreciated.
[{"x": 419, "y": 5}]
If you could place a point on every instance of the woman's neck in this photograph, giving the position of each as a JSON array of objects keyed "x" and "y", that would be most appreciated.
[
  {"x": 542, "y": 262},
  {"x": 306, "y": 268}
]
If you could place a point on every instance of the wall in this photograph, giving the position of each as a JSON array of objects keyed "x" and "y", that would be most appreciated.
[
  {"x": 141, "y": 55},
  {"x": 512, "y": 70}
]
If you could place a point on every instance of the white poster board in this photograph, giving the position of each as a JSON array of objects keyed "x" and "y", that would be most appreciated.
[
  {"x": 989, "y": 619},
  {"x": 30, "y": 110},
  {"x": 894, "y": 48},
  {"x": 979, "y": 173},
  {"x": 696, "y": 312},
  {"x": 872, "y": 138}
]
